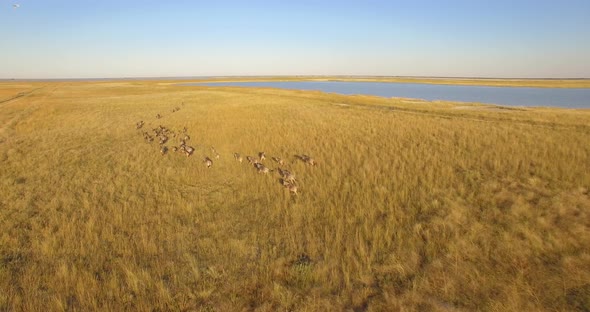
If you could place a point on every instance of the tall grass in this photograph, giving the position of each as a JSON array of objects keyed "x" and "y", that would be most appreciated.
[{"x": 413, "y": 206}]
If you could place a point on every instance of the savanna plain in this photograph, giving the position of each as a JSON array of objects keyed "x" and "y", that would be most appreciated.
[{"x": 411, "y": 206}]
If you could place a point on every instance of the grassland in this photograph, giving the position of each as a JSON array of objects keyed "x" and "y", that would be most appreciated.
[{"x": 412, "y": 206}]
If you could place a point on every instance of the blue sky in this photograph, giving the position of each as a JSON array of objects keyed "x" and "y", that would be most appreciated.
[{"x": 84, "y": 38}]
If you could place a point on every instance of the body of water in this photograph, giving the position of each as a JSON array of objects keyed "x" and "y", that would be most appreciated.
[{"x": 509, "y": 96}]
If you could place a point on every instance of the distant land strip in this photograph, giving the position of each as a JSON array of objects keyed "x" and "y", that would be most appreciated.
[
  {"x": 465, "y": 81},
  {"x": 492, "y": 82}
]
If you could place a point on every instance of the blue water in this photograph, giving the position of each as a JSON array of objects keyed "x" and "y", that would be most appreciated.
[{"x": 509, "y": 96}]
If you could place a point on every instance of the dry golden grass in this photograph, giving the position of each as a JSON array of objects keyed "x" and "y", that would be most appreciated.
[{"x": 413, "y": 206}]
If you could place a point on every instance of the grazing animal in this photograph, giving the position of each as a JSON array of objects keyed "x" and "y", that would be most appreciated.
[
  {"x": 163, "y": 139},
  {"x": 184, "y": 129},
  {"x": 217, "y": 156},
  {"x": 291, "y": 186},
  {"x": 287, "y": 175},
  {"x": 292, "y": 189},
  {"x": 161, "y": 131},
  {"x": 283, "y": 172},
  {"x": 278, "y": 160},
  {"x": 208, "y": 162},
  {"x": 238, "y": 157},
  {"x": 307, "y": 159},
  {"x": 175, "y": 148},
  {"x": 163, "y": 150},
  {"x": 158, "y": 116},
  {"x": 148, "y": 138},
  {"x": 188, "y": 150},
  {"x": 139, "y": 124},
  {"x": 186, "y": 137},
  {"x": 251, "y": 160},
  {"x": 262, "y": 156},
  {"x": 263, "y": 169}
]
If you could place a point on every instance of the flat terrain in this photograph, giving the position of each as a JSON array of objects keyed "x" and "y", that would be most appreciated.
[
  {"x": 490, "y": 82},
  {"x": 412, "y": 205}
]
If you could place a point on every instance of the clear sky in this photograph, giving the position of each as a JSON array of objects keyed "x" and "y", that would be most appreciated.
[{"x": 128, "y": 38}]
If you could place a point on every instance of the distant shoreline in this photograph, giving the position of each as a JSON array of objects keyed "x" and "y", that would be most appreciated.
[{"x": 473, "y": 81}]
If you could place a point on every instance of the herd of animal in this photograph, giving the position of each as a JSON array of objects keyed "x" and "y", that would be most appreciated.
[{"x": 165, "y": 136}]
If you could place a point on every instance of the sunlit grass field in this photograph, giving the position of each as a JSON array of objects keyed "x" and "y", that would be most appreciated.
[{"x": 413, "y": 206}]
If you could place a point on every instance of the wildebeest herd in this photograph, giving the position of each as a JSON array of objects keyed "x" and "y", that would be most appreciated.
[{"x": 165, "y": 136}]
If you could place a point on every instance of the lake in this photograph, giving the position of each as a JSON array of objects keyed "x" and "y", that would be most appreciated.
[{"x": 508, "y": 96}]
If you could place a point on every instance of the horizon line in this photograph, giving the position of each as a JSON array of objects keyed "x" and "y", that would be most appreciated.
[{"x": 286, "y": 76}]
